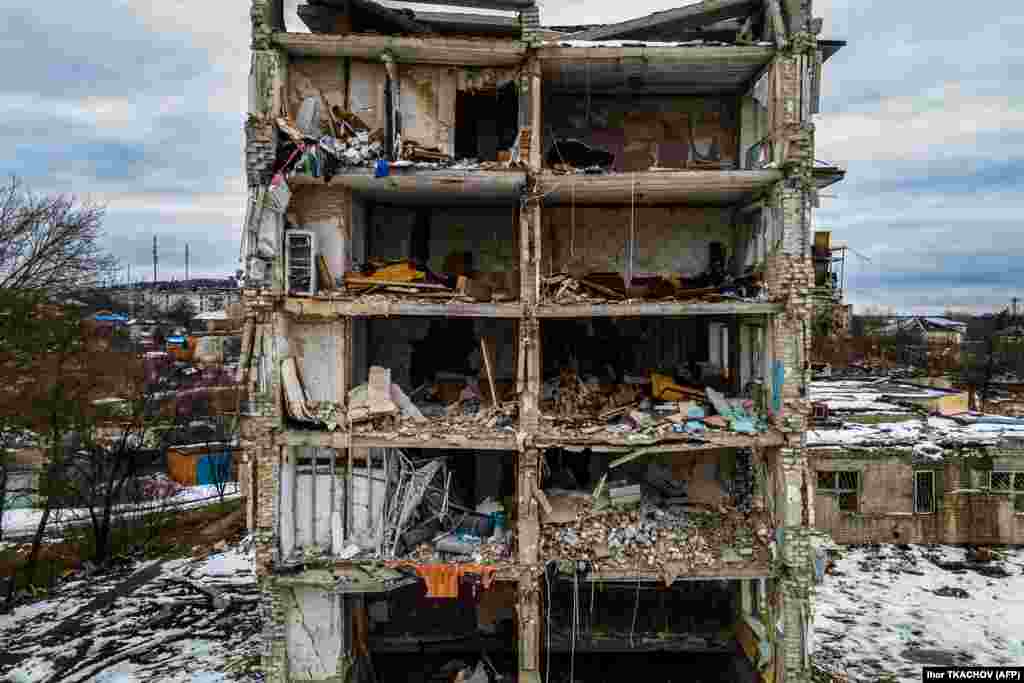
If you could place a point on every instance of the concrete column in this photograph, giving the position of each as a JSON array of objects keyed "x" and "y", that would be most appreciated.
[
  {"x": 529, "y": 613},
  {"x": 530, "y": 352},
  {"x": 527, "y": 513}
]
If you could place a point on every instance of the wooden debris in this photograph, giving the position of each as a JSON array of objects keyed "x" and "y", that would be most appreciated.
[
  {"x": 487, "y": 354},
  {"x": 325, "y": 278},
  {"x": 353, "y": 280},
  {"x": 601, "y": 289},
  {"x": 542, "y": 500}
]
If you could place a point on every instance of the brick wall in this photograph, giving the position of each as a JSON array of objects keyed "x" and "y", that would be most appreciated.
[
  {"x": 273, "y": 611},
  {"x": 260, "y": 151}
]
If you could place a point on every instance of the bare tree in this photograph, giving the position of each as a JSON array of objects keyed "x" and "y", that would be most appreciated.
[
  {"x": 49, "y": 243},
  {"x": 109, "y": 461}
]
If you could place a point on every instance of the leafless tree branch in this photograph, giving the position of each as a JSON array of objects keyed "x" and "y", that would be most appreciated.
[{"x": 49, "y": 243}]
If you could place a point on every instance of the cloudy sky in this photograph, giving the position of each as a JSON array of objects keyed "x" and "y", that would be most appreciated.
[{"x": 139, "y": 105}]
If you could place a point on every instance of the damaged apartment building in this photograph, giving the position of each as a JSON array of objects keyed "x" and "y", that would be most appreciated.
[{"x": 526, "y": 341}]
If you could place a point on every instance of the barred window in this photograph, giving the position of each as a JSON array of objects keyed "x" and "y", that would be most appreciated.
[
  {"x": 1009, "y": 482},
  {"x": 844, "y": 485}
]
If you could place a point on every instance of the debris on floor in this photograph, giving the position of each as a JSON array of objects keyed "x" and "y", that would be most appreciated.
[
  {"x": 426, "y": 522},
  {"x": 445, "y": 410},
  {"x": 669, "y": 518},
  {"x": 408, "y": 281},
  {"x": 713, "y": 286},
  {"x": 646, "y": 408},
  {"x": 324, "y": 141}
]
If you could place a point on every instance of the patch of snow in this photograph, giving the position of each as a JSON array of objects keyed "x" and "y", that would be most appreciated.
[
  {"x": 25, "y": 521},
  {"x": 227, "y": 564},
  {"x": 928, "y": 451},
  {"x": 31, "y": 671},
  {"x": 168, "y": 623},
  {"x": 880, "y": 613}
]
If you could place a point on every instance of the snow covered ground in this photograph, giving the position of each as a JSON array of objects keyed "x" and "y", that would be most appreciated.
[
  {"x": 893, "y": 610},
  {"x": 22, "y": 522},
  {"x": 176, "y": 621}
]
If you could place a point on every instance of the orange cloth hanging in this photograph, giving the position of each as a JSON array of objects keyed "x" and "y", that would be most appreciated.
[{"x": 443, "y": 579}]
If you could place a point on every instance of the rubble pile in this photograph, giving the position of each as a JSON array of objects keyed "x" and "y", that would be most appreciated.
[
  {"x": 485, "y": 551},
  {"x": 410, "y": 281},
  {"x": 320, "y": 141},
  {"x": 480, "y": 424},
  {"x": 652, "y": 537},
  {"x": 425, "y": 521},
  {"x": 592, "y": 288},
  {"x": 644, "y": 410}
]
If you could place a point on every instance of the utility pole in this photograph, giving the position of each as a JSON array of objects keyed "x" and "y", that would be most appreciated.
[
  {"x": 186, "y": 262},
  {"x": 154, "y": 260},
  {"x": 1014, "y": 301}
]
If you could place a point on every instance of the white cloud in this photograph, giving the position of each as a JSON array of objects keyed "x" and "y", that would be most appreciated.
[{"x": 946, "y": 122}]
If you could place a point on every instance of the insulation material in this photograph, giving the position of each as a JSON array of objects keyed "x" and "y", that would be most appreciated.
[
  {"x": 667, "y": 239},
  {"x": 265, "y": 217}
]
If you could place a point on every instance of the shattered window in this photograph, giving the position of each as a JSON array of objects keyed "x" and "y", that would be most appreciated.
[{"x": 844, "y": 485}]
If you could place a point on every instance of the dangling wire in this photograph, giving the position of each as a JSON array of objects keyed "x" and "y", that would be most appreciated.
[
  {"x": 590, "y": 628},
  {"x": 636, "y": 606},
  {"x": 572, "y": 218},
  {"x": 575, "y": 614},
  {"x": 547, "y": 610},
  {"x": 630, "y": 252}
]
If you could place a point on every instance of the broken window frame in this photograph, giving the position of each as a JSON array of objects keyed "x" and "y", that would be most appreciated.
[
  {"x": 842, "y": 493},
  {"x": 1014, "y": 486},
  {"x": 919, "y": 507}
]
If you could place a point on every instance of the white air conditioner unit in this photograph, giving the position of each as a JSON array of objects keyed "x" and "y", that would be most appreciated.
[{"x": 300, "y": 261}]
